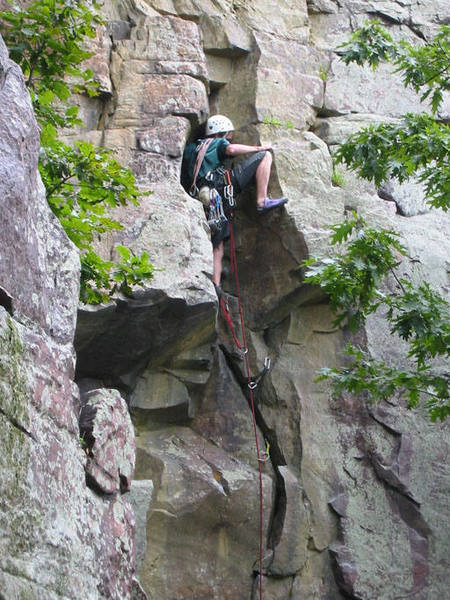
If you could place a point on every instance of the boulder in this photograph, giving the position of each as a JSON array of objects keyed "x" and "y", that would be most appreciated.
[
  {"x": 273, "y": 589},
  {"x": 335, "y": 130},
  {"x": 283, "y": 19},
  {"x": 140, "y": 497},
  {"x": 56, "y": 533},
  {"x": 203, "y": 500},
  {"x": 224, "y": 37},
  {"x": 291, "y": 550},
  {"x": 105, "y": 427},
  {"x": 100, "y": 47},
  {"x": 409, "y": 197},
  {"x": 180, "y": 294}
]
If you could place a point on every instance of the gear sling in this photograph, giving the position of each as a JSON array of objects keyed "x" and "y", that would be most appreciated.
[{"x": 218, "y": 179}]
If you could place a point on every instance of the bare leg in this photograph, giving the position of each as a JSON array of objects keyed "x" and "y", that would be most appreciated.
[
  {"x": 217, "y": 263},
  {"x": 262, "y": 178}
]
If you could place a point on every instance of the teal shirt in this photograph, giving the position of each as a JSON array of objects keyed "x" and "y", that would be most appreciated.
[{"x": 215, "y": 157}]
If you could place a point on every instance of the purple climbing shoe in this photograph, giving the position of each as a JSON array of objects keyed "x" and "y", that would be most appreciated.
[{"x": 271, "y": 203}]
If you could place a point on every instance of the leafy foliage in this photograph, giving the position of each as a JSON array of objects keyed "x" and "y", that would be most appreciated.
[
  {"x": 381, "y": 381},
  {"x": 419, "y": 316},
  {"x": 110, "y": 277},
  {"x": 370, "y": 43},
  {"x": 46, "y": 39},
  {"x": 351, "y": 279},
  {"x": 337, "y": 178},
  {"x": 82, "y": 182},
  {"x": 422, "y": 67},
  {"x": 275, "y": 122},
  {"x": 418, "y": 146}
]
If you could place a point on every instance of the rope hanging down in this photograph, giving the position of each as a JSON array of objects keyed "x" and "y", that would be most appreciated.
[{"x": 262, "y": 457}]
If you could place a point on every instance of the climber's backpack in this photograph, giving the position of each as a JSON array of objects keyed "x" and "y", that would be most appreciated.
[{"x": 216, "y": 193}]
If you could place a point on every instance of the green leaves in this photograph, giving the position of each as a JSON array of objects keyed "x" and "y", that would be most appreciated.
[
  {"x": 132, "y": 269},
  {"x": 351, "y": 279},
  {"x": 422, "y": 318},
  {"x": 419, "y": 316},
  {"x": 46, "y": 40},
  {"x": 100, "y": 278},
  {"x": 370, "y": 43},
  {"x": 417, "y": 147},
  {"x": 380, "y": 381},
  {"x": 425, "y": 68},
  {"x": 420, "y": 145},
  {"x": 82, "y": 182}
]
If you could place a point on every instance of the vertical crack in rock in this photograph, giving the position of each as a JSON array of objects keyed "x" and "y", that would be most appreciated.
[
  {"x": 408, "y": 510},
  {"x": 342, "y": 563},
  {"x": 4, "y": 75},
  {"x": 277, "y": 517},
  {"x": 394, "y": 478}
]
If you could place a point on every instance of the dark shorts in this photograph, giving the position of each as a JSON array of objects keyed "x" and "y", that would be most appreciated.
[
  {"x": 242, "y": 175},
  {"x": 219, "y": 235}
]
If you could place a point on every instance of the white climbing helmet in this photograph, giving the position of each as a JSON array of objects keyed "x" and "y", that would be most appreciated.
[{"x": 218, "y": 124}]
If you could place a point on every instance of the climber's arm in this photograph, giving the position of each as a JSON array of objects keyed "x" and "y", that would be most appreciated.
[{"x": 237, "y": 149}]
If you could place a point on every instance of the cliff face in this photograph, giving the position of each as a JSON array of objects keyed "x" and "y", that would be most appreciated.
[
  {"x": 60, "y": 539},
  {"x": 354, "y": 497}
]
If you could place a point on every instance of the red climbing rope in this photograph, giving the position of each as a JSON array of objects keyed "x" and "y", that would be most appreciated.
[
  {"x": 233, "y": 264},
  {"x": 226, "y": 314}
]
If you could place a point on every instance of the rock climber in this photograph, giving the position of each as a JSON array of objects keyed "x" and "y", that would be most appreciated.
[{"x": 199, "y": 176}]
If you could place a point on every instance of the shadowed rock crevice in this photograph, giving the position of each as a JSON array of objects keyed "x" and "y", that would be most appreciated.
[
  {"x": 102, "y": 333},
  {"x": 276, "y": 458},
  {"x": 276, "y": 455},
  {"x": 6, "y": 301}
]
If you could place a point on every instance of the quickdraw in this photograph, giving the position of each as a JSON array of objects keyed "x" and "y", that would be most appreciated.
[
  {"x": 253, "y": 384},
  {"x": 216, "y": 212},
  {"x": 264, "y": 456},
  {"x": 228, "y": 190}
]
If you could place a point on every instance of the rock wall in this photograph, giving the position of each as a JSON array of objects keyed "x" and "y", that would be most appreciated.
[
  {"x": 354, "y": 497},
  {"x": 60, "y": 539}
]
